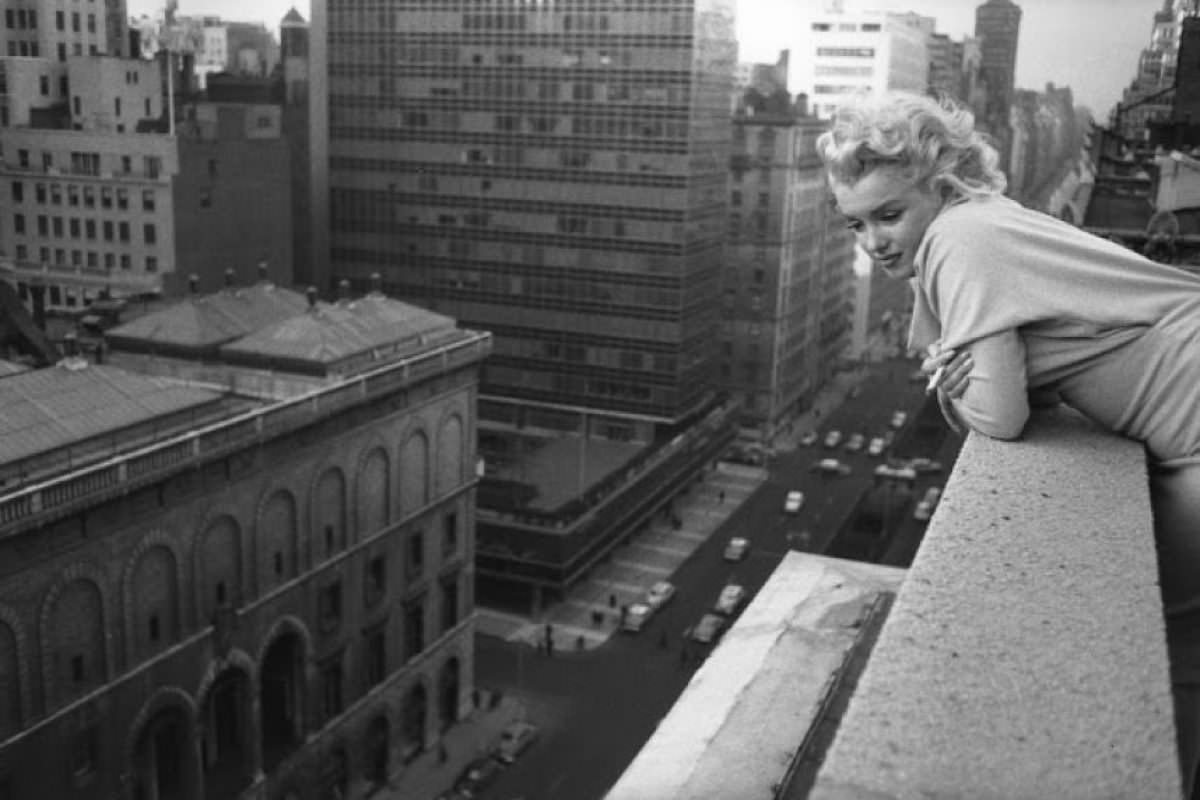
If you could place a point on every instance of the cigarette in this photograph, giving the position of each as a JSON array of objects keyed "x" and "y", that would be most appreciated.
[{"x": 935, "y": 379}]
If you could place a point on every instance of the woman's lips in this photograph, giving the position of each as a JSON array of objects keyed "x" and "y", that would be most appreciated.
[{"x": 888, "y": 261}]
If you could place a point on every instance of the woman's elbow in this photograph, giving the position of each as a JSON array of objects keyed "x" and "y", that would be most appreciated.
[{"x": 1006, "y": 426}]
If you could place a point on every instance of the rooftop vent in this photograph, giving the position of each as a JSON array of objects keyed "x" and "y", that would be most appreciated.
[
  {"x": 193, "y": 283},
  {"x": 311, "y": 294}
]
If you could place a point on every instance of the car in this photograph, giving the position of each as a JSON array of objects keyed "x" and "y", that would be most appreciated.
[
  {"x": 708, "y": 629},
  {"x": 832, "y": 466},
  {"x": 923, "y": 511},
  {"x": 477, "y": 776},
  {"x": 933, "y": 494},
  {"x": 730, "y": 598},
  {"x": 833, "y": 438},
  {"x": 660, "y": 594},
  {"x": 899, "y": 473},
  {"x": 855, "y": 443},
  {"x": 875, "y": 448},
  {"x": 514, "y": 739},
  {"x": 925, "y": 466},
  {"x": 793, "y": 502},
  {"x": 741, "y": 454},
  {"x": 737, "y": 548},
  {"x": 809, "y": 438},
  {"x": 899, "y": 418},
  {"x": 636, "y": 617}
]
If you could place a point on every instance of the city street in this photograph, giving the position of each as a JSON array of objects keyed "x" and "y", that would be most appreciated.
[{"x": 597, "y": 706}]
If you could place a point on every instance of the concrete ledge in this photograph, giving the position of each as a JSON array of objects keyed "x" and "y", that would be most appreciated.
[
  {"x": 735, "y": 731},
  {"x": 1025, "y": 655}
]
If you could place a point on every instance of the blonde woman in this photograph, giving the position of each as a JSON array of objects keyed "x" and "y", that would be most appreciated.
[{"x": 1016, "y": 307}]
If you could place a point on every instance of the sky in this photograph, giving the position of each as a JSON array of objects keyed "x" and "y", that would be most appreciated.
[{"x": 1090, "y": 45}]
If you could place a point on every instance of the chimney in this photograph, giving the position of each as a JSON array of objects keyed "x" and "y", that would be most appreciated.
[
  {"x": 311, "y": 293},
  {"x": 262, "y": 272},
  {"x": 193, "y": 283},
  {"x": 376, "y": 284},
  {"x": 229, "y": 275},
  {"x": 343, "y": 292}
]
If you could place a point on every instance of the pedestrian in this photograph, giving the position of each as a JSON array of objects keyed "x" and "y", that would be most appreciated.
[
  {"x": 1015, "y": 308},
  {"x": 624, "y": 612},
  {"x": 579, "y": 643}
]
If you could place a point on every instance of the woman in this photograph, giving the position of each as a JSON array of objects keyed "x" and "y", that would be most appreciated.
[{"x": 1014, "y": 306}]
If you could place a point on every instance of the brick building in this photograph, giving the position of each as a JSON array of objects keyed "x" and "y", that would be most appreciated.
[{"x": 236, "y": 557}]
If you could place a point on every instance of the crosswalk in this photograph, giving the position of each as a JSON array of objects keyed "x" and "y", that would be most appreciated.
[{"x": 651, "y": 556}]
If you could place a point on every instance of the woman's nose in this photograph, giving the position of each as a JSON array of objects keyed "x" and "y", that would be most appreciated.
[{"x": 872, "y": 241}]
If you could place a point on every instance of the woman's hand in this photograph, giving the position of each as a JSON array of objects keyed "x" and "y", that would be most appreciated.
[{"x": 949, "y": 371}]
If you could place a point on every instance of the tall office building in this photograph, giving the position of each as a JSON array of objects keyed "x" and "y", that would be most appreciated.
[
  {"x": 551, "y": 172},
  {"x": 998, "y": 26},
  {"x": 848, "y": 53}
]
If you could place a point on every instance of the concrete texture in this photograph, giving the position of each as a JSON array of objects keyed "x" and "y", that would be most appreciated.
[
  {"x": 734, "y": 731},
  {"x": 1025, "y": 656}
]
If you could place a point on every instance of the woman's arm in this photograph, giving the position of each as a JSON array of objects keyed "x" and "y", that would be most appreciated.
[{"x": 995, "y": 402}]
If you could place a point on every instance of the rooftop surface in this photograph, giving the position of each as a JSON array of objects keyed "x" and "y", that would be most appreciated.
[
  {"x": 47, "y": 409},
  {"x": 560, "y": 468}
]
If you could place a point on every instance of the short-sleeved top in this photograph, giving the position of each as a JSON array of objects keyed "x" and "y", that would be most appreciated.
[{"x": 1045, "y": 305}]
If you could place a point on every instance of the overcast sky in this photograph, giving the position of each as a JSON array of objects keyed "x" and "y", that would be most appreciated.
[{"x": 1090, "y": 45}]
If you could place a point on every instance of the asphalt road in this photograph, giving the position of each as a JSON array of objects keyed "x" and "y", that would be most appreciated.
[{"x": 597, "y": 708}]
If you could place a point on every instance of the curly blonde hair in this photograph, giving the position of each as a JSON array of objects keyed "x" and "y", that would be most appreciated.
[{"x": 931, "y": 141}]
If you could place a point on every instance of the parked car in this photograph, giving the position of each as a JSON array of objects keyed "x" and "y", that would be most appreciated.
[
  {"x": 899, "y": 418},
  {"x": 659, "y": 594},
  {"x": 514, "y": 739},
  {"x": 730, "y": 599},
  {"x": 833, "y": 438},
  {"x": 809, "y": 438},
  {"x": 831, "y": 466},
  {"x": 793, "y": 502},
  {"x": 875, "y": 448},
  {"x": 636, "y": 617},
  {"x": 928, "y": 503},
  {"x": 855, "y": 442},
  {"x": 900, "y": 473},
  {"x": 477, "y": 776},
  {"x": 743, "y": 454},
  {"x": 709, "y": 628},
  {"x": 925, "y": 466},
  {"x": 737, "y": 548}
]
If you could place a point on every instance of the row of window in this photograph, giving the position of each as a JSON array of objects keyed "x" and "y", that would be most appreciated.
[
  {"x": 88, "y": 163},
  {"x": 86, "y": 195},
  {"x": 85, "y": 228},
  {"x": 80, "y": 258}
]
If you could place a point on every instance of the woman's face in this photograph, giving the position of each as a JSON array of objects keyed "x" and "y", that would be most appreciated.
[{"x": 889, "y": 214}]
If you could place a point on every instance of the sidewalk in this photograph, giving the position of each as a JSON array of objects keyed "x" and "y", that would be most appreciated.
[{"x": 468, "y": 739}]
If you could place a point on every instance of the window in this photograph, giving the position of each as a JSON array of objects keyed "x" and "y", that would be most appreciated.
[
  {"x": 84, "y": 746},
  {"x": 329, "y": 541},
  {"x": 149, "y": 233},
  {"x": 44, "y": 85},
  {"x": 89, "y": 229},
  {"x": 152, "y": 627},
  {"x": 43, "y": 225},
  {"x": 122, "y": 198},
  {"x": 331, "y": 686},
  {"x": 106, "y": 196},
  {"x": 89, "y": 197},
  {"x": 39, "y": 193},
  {"x": 147, "y": 200},
  {"x": 22, "y": 157},
  {"x": 151, "y": 264},
  {"x": 375, "y": 656},
  {"x": 60, "y": 22},
  {"x": 375, "y": 580},
  {"x": 450, "y": 534},
  {"x": 72, "y": 195},
  {"x": 154, "y": 166},
  {"x": 416, "y": 555},
  {"x": 449, "y": 602},
  {"x": 78, "y": 670},
  {"x": 123, "y": 231},
  {"x": 205, "y": 198},
  {"x": 330, "y": 605},
  {"x": 108, "y": 230},
  {"x": 414, "y": 627},
  {"x": 19, "y": 223}
]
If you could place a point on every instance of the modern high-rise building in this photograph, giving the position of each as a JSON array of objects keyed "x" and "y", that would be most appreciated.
[
  {"x": 846, "y": 53},
  {"x": 998, "y": 27},
  {"x": 553, "y": 173},
  {"x": 1149, "y": 96}
]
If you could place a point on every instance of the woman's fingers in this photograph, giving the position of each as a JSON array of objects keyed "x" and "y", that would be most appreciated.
[
  {"x": 957, "y": 375},
  {"x": 931, "y": 364}
]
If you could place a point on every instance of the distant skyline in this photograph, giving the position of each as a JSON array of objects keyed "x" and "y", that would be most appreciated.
[{"x": 1090, "y": 45}]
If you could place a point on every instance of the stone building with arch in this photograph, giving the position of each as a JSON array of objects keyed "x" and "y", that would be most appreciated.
[{"x": 236, "y": 558}]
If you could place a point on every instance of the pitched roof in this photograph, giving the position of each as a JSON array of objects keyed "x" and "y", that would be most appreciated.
[
  {"x": 209, "y": 320},
  {"x": 332, "y": 332},
  {"x": 42, "y": 410},
  {"x": 293, "y": 16}
]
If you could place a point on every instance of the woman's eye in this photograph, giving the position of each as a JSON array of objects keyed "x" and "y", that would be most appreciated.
[
  {"x": 854, "y": 225},
  {"x": 889, "y": 216}
]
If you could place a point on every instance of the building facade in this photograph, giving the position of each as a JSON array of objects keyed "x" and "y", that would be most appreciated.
[
  {"x": 998, "y": 27},
  {"x": 109, "y": 204},
  {"x": 212, "y": 597},
  {"x": 781, "y": 279},
  {"x": 845, "y": 54},
  {"x": 552, "y": 173}
]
